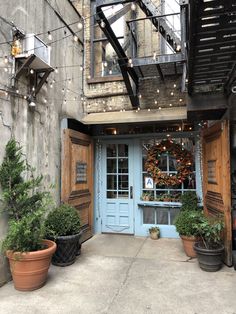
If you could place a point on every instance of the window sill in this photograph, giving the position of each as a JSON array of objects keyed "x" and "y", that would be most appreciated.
[{"x": 97, "y": 80}]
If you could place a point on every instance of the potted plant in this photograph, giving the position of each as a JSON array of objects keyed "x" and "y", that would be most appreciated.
[
  {"x": 186, "y": 219},
  {"x": 29, "y": 255},
  {"x": 63, "y": 226},
  {"x": 154, "y": 233},
  {"x": 210, "y": 247},
  {"x": 185, "y": 223}
]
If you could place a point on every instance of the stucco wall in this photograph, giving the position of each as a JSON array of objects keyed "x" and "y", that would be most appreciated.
[{"x": 38, "y": 130}]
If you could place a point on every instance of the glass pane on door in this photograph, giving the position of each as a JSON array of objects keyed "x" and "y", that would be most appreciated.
[{"x": 117, "y": 171}]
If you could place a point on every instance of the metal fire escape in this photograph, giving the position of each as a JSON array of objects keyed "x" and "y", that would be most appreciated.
[
  {"x": 141, "y": 67},
  {"x": 211, "y": 57}
]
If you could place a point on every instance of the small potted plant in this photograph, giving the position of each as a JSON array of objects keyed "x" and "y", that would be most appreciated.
[
  {"x": 154, "y": 233},
  {"x": 28, "y": 253},
  {"x": 186, "y": 219},
  {"x": 63, "y": 226},
  {"x": 210, "y": 247}
]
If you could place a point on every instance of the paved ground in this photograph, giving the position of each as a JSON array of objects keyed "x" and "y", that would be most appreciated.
[{"x": 123, "y": 274}]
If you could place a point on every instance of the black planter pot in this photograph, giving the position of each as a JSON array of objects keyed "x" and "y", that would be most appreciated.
[
  {"x": 67, "y": 250},
  {"x": 209, "y": 259}
]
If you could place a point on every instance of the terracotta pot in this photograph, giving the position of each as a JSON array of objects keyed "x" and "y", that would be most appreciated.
[
  {"x": 29, "y": 270},
  {"x": 188, "y": 243}
]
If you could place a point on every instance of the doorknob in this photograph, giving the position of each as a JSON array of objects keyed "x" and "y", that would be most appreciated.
[{"x": 131, "y": 192}]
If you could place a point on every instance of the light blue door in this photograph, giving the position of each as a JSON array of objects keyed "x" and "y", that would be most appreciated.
[{"x": 117, "y": 205}]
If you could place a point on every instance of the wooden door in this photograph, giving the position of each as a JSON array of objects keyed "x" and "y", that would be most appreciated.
[
  {"x": 77, "y": 176},
  {"x": 216, "y": 179}
]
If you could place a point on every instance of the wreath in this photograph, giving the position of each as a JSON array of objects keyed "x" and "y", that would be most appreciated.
[{"x": 184, "y": 161}]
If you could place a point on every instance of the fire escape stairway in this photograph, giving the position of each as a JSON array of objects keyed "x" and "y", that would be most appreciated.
[
  {"x": 132, "y": 72},
  {"x": 161, "y": 25}
]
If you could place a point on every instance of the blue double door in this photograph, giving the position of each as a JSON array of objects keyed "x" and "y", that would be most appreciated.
[{"x": 118, "y": 187}]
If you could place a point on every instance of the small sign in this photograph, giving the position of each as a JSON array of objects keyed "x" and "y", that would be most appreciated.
[
  {"x": 81, "y": 172},
  {"x": 148, "y": 183}
]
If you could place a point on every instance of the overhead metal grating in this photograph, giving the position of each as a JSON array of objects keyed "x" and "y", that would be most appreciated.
[{"x": 212, "y": 46}]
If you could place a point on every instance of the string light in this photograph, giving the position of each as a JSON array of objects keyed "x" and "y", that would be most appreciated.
[
  {"x": 130, "y": 61},
  {"x": 25, "y": 97},
  {"x": 110, "y": 71},
  {"x": 49, "y": 35},
  {"x": 133, "y": 6},
  {"x": 180, "y": 99},
  {"x": 31, "y": 71},
  {"x": 17, "y": 91},
  {"x": 56, "y": 70},
  {"x": 102, "y": 24},
  {"x": 75, "y": 38},
  {"x": 158, "y": 91},
  {"x": 172, "y": 93},
  {"x": 105, "y": 64},
  {"x": 80, "y": 25},
  {"x": 6, "y": 93},
  {"x": 170, "y": 105},
  {"x": 45, "y": 100},
  {"x": 174, "y": 85},
  {"x": 155, "y": 102},
  {"x": 5, "y": 59},
  {"x": 159, "y": 108},
  {"x": 5, "y": 69},
  {"x": 81, "y": 68},
  {"x": 33, "y": 89}
]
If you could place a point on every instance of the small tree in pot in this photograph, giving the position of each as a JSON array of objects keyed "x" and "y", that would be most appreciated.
[
  {"x": 210, "y": 249},
  {"x": 63, "y": 225},
  {"x": 185, "y": 221},
  {"x": 29, "y": 255}
]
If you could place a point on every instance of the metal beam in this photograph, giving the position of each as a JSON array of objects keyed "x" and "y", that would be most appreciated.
[
  {"x": 160, "y": 72},
  {"x": 177, "y": 57},
  {"x": 119, "y": 14}
]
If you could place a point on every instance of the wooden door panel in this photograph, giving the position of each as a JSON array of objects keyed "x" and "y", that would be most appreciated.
[
  {"x": 216, "y": 179},
  {"x": 77, "y": 176}
]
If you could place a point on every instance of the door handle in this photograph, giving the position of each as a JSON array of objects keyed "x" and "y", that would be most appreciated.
[{"x": 131, "y": 192}]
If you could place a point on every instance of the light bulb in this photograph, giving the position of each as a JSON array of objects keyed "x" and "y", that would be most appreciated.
[
  {"x": 174, "y": 85},
  {"x": 130, "y": 61},
  {"x": 31, "y": 71},
  {"x": 102, "y": 24},
  {"x": 178, "y": 48},
  {"x": 45, "y": 100},
  {"x": 17, "y": 91},
  {"x": 75, "y": 38},
  {"x": 5, "y": 69},
  {"x": 180, "y": 99},
  {"x": 110, "y": 71},
  {"x": 32, "y": 104},
  {"x": 33, "y": 89},
  {"x": 159, "y": 108},
  {"x": 6, "y": 93},
  {"x": 5, "y": 59},
  {"x": 133, "y": 6},
  {"x": 170, "y": 105},
  {"x": 49, "y": 35},
  {"x": 81, "y": 68},
  {"x": 105, "y": 64},
  {"x": 158, "y": 91},
  {"x": 25, "y": 97},
  {"x": 80, "y": 25},
  {"x": 69, "y": 81},
  {"x": 56, "y": 70},
  {"x": 154, "y": 56},
  {"x": 155, "y": 102},
  {"x": 172, "y": 93}
]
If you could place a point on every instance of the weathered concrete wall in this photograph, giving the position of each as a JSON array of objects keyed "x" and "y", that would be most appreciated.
[{"x": 38, "y": 130}]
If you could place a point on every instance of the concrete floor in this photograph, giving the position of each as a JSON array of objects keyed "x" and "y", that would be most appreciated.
[{"x": 123, "y": 274}]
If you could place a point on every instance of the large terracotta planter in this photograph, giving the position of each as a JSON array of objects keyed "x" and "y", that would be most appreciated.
[
  {"x": 188, "y": 243},
  {"x": 29, "y": 270}
]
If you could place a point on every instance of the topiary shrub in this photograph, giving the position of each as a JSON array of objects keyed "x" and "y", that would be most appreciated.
[{"x": 62, "y": 221}]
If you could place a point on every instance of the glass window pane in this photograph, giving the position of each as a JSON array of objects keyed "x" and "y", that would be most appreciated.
[
  {"x": 148, "y": 215},
  {"x": 111, "y": 194},
  {"x": 123, "y": 165},
  {"x": 172, "y": 163},
  {"x": 173, "y": 213},
  {"x": 162, "y": 216},
  {"x": 123, "y": 182},
  {"x": 123, "y": 150},
  {"x": 111, "y": 182},
  {"x": 190, "y": 182},
  {"x": 162, "y": 165},
  {"x": 111, "y": 165},
  {"x": 111, "y": 150},
  {"x": 123, "y": 194}
]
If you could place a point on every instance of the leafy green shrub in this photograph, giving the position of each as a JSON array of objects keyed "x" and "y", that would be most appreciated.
[
  {"x": 186, "y": 222},
  {"x": 210, "y": 230},
  {"x": 61, "y": 221},
  {"x": 189, "y": 201},
  {"x": 24, "y": 202}
]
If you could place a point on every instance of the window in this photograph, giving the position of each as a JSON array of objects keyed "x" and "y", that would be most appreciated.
[
  {"x": 103, "y": 57},
  {"x": 167, "y": 164}
]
